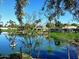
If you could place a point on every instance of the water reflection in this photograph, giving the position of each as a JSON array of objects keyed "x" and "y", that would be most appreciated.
[{"x": 34, "y": 46}]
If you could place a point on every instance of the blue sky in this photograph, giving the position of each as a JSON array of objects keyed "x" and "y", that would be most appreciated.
[{"x": 7, "y": 11}]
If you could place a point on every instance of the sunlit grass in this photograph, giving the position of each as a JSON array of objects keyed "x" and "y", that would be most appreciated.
[{"x": 69, "y": 36}]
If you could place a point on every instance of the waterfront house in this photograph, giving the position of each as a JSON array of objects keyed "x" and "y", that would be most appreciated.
[{"x": 69, "y": 28}]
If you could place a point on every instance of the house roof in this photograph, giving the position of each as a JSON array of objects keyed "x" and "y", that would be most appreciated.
[{"x": 69, "y": 27}]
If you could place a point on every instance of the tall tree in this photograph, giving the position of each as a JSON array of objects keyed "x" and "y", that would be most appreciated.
[
  {"x": 57, "y": 8},
  {"x": 58, "y": 24},
  {"x": 19, "y": 10},
  {"x": 74, "y": 24},
  {"x": 11, "y": 23}
]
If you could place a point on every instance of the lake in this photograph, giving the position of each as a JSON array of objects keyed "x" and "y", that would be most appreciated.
[{"x": 57, "y": 52}]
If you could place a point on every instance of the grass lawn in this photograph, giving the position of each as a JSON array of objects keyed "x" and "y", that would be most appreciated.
[{"x": 61, "y": 35}]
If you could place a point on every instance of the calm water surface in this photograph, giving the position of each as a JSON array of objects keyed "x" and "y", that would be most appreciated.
[{"x": 57, "y": 52}]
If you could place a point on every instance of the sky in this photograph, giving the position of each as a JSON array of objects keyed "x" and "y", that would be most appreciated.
[{"x": 7, "y": 11}]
